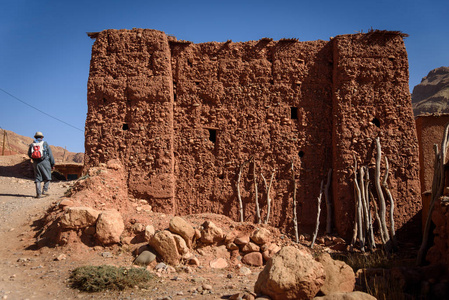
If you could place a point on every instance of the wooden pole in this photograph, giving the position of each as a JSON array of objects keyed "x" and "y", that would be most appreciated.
[
  {"x": 317, "y": 215},
  {"x": 295, "y": 215},
  {"x": 328, "y": 203},
  {"x": 380, "y": 196}
]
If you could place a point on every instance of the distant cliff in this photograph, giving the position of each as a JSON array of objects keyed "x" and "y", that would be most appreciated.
[
  {"x": 431, "y": 96},
  {"x": 18, "y": 144}
]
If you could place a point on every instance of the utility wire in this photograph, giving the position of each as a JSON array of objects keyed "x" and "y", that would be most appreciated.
[{"x": 57, "y": 119}]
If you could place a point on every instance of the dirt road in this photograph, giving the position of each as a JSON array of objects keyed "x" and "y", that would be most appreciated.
[{"x": 30, "y": 273}]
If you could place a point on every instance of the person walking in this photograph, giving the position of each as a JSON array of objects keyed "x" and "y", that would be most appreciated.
[{"x": 43, "y": 163}]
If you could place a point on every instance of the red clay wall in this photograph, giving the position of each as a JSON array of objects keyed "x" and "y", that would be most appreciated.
[
  {"x": 370, "y": 85},
  {"x": 196, "y": 112}
]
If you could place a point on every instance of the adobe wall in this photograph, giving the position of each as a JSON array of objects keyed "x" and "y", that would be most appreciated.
[
  {"x": 184, "y": 117},
  {"x": 371, "y": 98},
  {"x": 430, "y": 130}
]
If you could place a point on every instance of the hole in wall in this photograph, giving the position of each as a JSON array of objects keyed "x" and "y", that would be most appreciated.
[
  {"x": 294, "y": 113},
  {"x": 301, "y": 154},
  {"x": 376, "y": 122},
  {"x": 104, "y": 100},
  {"x": 212, "y": 135},
  {"x": 125, "y": 127}
]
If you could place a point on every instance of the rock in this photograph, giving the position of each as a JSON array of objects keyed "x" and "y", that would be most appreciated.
[
  {"x": 66, "y": 202},
  {"x": 218, "y": 263},
  {"x": 160, "y": 267},
  {"x": 145, "y": 258},
  {"x": 61, "y": 257},
  {"x": 79, "y": 217},
  {"x": 340, "y": 277},
  {"x": 230, "y": 236},
  {"x": 253, "y": 259},
  {"x": 107, "y": 255},
  {"x": 211, "y": 233},
  {"x": 291, "y": 274},
  {"x": 181, "y": 244},
  {"x": 250, "y": 247},
  {"x": 347, "y": 296},
  {"x": 245, "y": 271},
  {"x": 165, "y": 245},
  {"x": 149, "y": 232},
  {"x": 109, "y": 227},
  {"x": 270, "y": 250},
  {"x": 180, "y": 226},
  {"x": 261, "y": 236},
  {"x": 194, "y": 261},
  {"x": 242, "y": 240},
  {"x": 232, "y": 246},
  {"x": 207, "y": 287},
  {"x": 242, "y": 296}
]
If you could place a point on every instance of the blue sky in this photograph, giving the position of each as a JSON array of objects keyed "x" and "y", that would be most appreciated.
[{"x": 45, "y": 52}]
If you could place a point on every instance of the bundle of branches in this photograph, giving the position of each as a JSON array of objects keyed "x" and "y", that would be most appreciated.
[{"x": 363, "y": 224}]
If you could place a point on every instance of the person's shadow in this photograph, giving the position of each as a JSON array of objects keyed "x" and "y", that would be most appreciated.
[{"x": 15, "y": 195}]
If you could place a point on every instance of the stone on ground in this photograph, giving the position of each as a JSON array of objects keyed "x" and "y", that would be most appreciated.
[
  {"x": 79, "y": 217},
  {"x": 165, "y": 245},
  {"x": 109, "y": 227},
  {"x": 347, "y": 296},
  {"x": 180, "y": 226},
  {"x": 340, "y": 277},
  {"x": 291, "y": 274}
]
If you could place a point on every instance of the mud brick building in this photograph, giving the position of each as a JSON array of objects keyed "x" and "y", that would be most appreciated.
[{"x": 184, "y": 117}]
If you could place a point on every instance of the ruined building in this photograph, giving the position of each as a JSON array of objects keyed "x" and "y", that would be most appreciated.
[{"x": 184, "y": 117}]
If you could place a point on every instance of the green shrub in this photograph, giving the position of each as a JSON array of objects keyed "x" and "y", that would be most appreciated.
[{"x": 99, "y": 278}]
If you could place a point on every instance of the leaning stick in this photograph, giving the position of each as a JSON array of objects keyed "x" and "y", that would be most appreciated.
[
  {"x": 390, "y": 197},
  {"x": 317, "y": 215},
  {"x": 359, "y": 208},
  {"x": 256, "y": 192},
  {"x": 376, "y": 209},
  {"x": 238, "y": 190},
  {"x": 295, "y": 215},
  {"x": 268, "y": 197},
  {"x": 380, "y": 195},
  {"x": 370, "y": 217},
  {"x": 328, "y": 203}
]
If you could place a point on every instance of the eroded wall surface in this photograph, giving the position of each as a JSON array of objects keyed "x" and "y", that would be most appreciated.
[{"x": 184, "y": 118}]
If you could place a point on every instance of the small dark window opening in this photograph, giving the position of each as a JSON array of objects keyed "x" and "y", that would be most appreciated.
[
  {"x": 301, "y": 154},
  {"x": 212, "y": 135},
  {"x": 376, "y": 122},
  {"x": 104, "y": 100},
  {"x": 271, "y": 81},
  {"x": 125, "y": 126},
  {"x": 294, "y": 113}
]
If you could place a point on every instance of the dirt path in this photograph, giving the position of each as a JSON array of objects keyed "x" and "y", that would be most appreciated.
[{"x": 42, "y": 274}]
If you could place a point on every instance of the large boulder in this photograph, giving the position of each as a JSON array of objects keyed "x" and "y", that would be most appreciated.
[
  {"x": 165, "y": 245},
  {"x": 211, "y": 233},
  {"x": 261, "y": 236},
  {"x": 180, "y": 226},
  {"x": 291, "y": 274},
  {"x": 340, "y": 277},
  {"x": 79, "y": 217},
  {"x": 109, "y": 227}
]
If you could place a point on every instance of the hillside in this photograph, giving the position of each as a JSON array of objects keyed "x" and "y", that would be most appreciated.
[
  {"x": 431, "y": 96},
  {"x": 18, "y": 144}
]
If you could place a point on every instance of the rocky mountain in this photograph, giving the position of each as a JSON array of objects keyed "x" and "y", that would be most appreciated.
[
  {"x": 431, "y": 96},
  {"x": 18, "y": 144}
]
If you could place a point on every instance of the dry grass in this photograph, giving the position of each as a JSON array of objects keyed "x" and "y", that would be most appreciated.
[{"x": 100, "y": 278}]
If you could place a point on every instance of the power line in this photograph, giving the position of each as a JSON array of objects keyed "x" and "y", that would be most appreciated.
[{"x": 57, "y": 119}]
